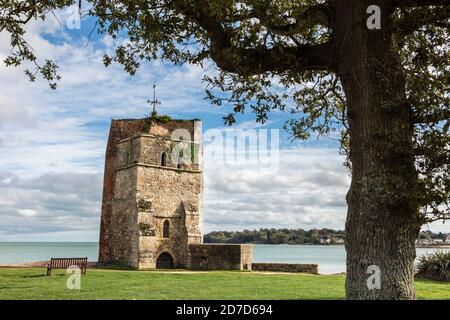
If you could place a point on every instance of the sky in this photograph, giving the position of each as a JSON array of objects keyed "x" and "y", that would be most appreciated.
[{"x": 52, "y": 146}]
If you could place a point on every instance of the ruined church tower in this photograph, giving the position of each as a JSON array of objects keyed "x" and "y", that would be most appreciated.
[{"x": 152, "y": 194}]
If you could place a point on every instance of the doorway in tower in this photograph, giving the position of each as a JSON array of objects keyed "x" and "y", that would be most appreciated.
[{"x": 165, "y": 261}]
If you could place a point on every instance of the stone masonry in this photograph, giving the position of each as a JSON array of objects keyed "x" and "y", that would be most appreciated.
[
  {"x": 152, "y": 199},
  {"x": 220, "y": 256}
]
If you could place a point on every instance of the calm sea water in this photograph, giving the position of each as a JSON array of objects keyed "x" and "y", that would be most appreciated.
[{"x": 331, "y": 259}]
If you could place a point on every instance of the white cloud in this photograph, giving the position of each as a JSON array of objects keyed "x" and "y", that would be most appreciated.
[
  {"x": 49, "y": 203},
  {"x": 308, "y": 191}
]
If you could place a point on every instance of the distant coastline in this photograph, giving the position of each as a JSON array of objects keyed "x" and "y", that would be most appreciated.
[
  {"x": 426, "y": 239},
  {"x": 433, "y": 246}
]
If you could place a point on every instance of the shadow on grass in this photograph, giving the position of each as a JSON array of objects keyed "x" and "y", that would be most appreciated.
[
  {"x": 34, "y": 276},
  {"x": 115, "y": 267},
  {"x": 424, "y": 279}
]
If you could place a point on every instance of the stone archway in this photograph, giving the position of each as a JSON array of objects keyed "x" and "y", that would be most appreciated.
[{"x": 164, "y": 261}]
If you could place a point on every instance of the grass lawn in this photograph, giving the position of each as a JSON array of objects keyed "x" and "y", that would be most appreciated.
[{"x": 32, "y": 283}]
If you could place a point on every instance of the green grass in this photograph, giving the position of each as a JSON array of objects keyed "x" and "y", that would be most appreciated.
[{"x": 32, "y": 283}]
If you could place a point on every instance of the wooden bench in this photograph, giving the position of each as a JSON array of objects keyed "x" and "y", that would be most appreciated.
[{"x": 64, "y": 263}]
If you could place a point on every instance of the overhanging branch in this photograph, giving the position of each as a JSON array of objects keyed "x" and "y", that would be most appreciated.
[
  {"x": 435, "y": 117},
  {"x": 260, "y": 59},
  {"x": 276, "y": 59},
  {"x": 316, "y": 15},
  {"x": 20, "y": 15},
  {"x": 419, "y": 17},
  {"x": 417, "y": 3}
]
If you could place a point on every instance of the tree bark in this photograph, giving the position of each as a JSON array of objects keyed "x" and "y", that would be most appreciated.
[{"x": 383, "y": 218}]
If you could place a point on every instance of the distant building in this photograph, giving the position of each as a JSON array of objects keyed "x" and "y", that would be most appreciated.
[{"x": 338, "y": 241}]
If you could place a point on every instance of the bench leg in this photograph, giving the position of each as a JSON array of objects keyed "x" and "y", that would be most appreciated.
[{"x": 49, "y": 271}]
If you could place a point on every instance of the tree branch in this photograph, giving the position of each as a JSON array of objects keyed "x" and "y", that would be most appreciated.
[
  {"x": 316, "y": 15},
  {"x": 28, "y": 11},
  {"x": 250, "y": 61},
  {"x": 436, "y": 117},
  {"x": 417, "y": 3},
  {"x": 276, "y": 59},
  {"x": 412, "y": 21}
]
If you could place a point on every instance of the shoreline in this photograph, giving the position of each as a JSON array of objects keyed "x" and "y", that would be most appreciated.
[{"x": 433, "y": 246}]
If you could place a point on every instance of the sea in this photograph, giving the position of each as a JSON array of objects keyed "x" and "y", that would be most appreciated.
[{"x": 330, "y": 258}]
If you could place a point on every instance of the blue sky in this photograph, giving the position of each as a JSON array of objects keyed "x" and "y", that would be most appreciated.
[{"x": 52, "y": 146}]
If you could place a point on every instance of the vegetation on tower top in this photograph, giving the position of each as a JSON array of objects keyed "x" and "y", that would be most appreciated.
[{"x": 154, "y": 117}]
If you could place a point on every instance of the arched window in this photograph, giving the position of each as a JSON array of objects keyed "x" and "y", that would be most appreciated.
[
  {"x": 166, "y": 229},
  {"x": 164, "y": 159}
]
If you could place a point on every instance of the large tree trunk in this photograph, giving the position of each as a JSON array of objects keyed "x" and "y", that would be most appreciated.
[{"x": 383, "y": 215}]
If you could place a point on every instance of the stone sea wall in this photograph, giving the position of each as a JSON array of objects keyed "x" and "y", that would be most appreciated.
[{"x": 220, "y": 256}]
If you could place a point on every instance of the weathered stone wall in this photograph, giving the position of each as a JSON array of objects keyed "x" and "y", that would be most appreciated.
[
  {"x": 119, "y": 129},
  {"x": 124, "y": 238},
  {"x": 149, "y": 149},
  {"x": 166, "y": 129},
  {"x": 286, "y": 267},
  {"x": 175, "y": 196},
  {"x": 247, "y": 256},
  {"x": 220, "y": 256},
  {"x": 120, "y": 228}
]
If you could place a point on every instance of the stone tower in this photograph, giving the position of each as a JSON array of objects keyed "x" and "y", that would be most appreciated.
[{"x": 152, "y": 195}]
